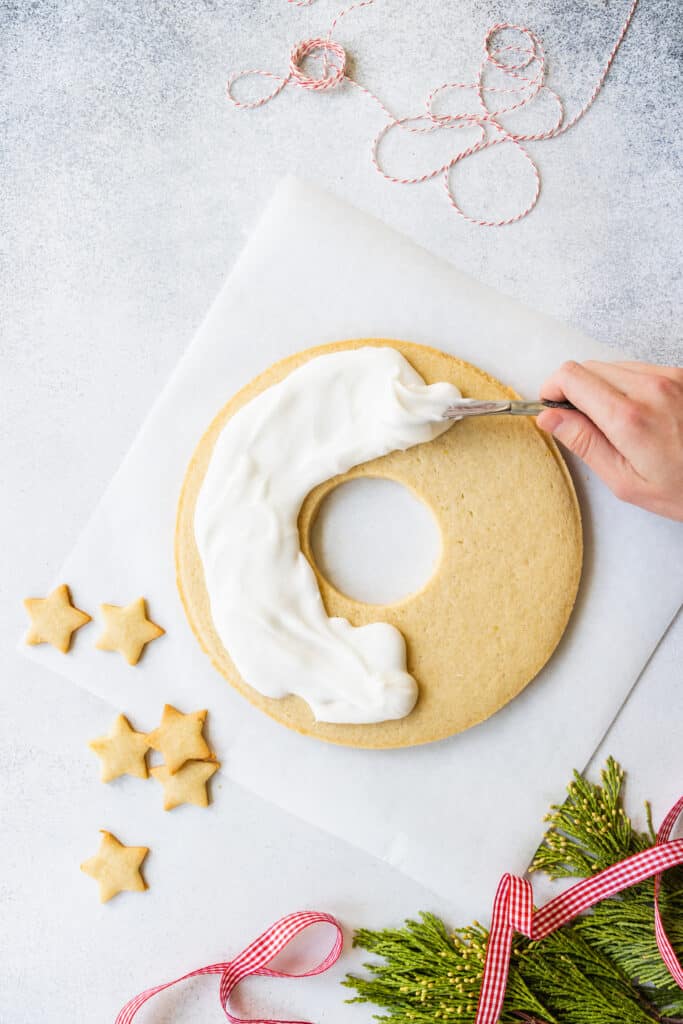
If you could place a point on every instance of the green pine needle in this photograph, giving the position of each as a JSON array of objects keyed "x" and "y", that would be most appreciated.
[{"x": 604, "y": 968}]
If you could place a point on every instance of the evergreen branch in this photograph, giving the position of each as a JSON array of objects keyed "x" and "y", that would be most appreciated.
[
  {"x": 590, "y": 830},
  {"x": 604, "y": 968},
  {"x": 622, "y": 929},
  {"x": 581, "y": 985},
  {"x": 431, "y": 975}
]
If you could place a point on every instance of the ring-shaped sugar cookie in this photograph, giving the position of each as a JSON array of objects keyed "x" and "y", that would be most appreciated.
[{"x": 501, "y": 595}]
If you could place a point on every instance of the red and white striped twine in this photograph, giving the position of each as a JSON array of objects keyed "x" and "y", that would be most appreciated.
[
  {"x": 520, "y": 62},
  {"x": 513, "y": 911}
]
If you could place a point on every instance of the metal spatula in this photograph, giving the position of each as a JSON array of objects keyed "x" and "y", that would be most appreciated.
[{"x": 486, "y": 407}]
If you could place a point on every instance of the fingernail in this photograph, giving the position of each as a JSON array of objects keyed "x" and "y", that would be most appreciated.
[{"x": 550, "y": 420}]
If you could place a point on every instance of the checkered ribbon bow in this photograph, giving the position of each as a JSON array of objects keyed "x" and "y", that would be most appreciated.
[
  {"x": 513, "y": 911},
  {"x": 252, "y": 961}
]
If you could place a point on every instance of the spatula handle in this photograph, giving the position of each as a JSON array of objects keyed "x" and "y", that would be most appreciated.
[{"x": 557, "y": 405}]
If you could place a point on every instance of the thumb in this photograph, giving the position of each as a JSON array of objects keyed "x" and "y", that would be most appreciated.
[{"x": 581, "y": 436}]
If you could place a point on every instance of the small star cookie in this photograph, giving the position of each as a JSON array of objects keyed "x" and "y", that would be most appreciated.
[
  {"x": 54, "y": 618},
  {"x": 127, "y": 629},
  {"x": 116, "y": 867},
  {"x": 187, "y": 785},
  {"x": 179, "y": 738},
  {"x": 122, "y": 752}
]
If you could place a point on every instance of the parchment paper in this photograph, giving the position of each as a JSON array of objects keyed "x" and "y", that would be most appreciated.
[{"x": 452, "y": 815}]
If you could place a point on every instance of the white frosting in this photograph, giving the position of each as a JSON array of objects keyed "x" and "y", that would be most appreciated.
[{"x": 332, "y": 413}]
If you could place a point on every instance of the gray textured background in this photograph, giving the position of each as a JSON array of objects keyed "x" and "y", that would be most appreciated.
[{"x": 127, "y": 187}]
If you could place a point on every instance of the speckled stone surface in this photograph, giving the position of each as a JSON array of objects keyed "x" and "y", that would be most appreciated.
[{"x": 127, "y": 187}]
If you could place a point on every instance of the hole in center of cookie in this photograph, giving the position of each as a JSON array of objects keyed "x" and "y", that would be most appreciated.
[{"x": 375, "y": 541}]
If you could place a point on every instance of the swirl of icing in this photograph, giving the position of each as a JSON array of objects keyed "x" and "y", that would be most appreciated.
[{"x": 332, "y": 413}]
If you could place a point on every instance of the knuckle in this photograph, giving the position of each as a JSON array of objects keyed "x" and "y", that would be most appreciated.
[
  {"x": 570, "y": 367},
  {"x": 666, "y": 387},
  {"x": 632, "y": 416}
]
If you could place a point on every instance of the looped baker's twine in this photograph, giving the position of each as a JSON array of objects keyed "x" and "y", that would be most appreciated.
[
  {"x": 331, "y": 55},
  {"x": 522, "y": 64},
  {"x": 333, "y": 73}
]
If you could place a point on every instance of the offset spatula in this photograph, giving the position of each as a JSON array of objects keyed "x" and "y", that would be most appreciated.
[{"x": 486, "y": 407}]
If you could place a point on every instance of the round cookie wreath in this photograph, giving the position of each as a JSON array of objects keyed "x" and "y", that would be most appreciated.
[{"x": 501, "y": 595}]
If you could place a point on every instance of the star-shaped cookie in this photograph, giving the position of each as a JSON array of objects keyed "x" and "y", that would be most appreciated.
[
  {"x": 54, "y": 618},
  {"x": 116, "y": 867},
  {"x": 187, "y": 785},
  {"x": 179, "y": 738},
  {"x": 122, "y": 752},
  {"x": 127, "y": 629}
]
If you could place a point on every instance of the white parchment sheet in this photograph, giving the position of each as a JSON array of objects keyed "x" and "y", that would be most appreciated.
[{"x": 316, "y": 270}]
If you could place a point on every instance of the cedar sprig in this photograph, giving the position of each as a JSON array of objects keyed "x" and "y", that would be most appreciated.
[
  {"x": 590, "y": 830},
  {"x": 432, "y": 975},
  {"x": 604, "y": 968}
]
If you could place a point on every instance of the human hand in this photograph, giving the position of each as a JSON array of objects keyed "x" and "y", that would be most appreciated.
[{"x": 629, "y": 429}]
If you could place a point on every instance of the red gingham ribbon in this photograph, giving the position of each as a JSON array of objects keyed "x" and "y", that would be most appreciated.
[
  {"x": 513, "y": 911},
  {"x": 253, "y": 960}
]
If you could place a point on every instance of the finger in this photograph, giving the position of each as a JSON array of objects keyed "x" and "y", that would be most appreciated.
[
  {"x": 675, "y": 372},
  {"x": 621, "y": 377},
  {"x": 582, "y": 437},
  {"x": 601, "y": 402},
  {"x": 650, "y": 391},
  {"x": 635, "y": 380}
]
